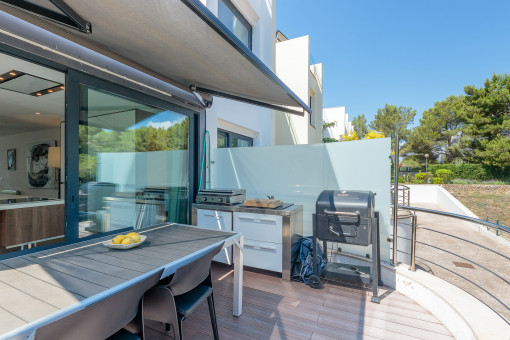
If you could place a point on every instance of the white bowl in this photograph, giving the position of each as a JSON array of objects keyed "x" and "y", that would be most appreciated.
[{"x": 124, "y": 246}]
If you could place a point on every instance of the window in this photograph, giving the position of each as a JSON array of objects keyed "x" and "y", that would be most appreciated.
[
  {"x": 233, "y": 140},
  {"x": 230, "y": 17},
  {"x": 312, "y": 116}
]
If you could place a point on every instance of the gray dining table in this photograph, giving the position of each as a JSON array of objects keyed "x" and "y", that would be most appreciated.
[{"x": 39, "y": 288}]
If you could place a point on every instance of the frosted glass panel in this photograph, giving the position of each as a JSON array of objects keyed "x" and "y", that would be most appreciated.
[{"x": 298, "y": 173}]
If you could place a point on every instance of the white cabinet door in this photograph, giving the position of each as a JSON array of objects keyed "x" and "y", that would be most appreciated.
[
  {"x": 267, "y": 228},
  {"x": 262, "y": 240},
  {"x": 218, "y": 220},
  {"x": 263, "y": 255}
]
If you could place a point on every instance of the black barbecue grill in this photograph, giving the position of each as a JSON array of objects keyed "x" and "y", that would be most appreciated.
[{"x": 347, "y": 217}]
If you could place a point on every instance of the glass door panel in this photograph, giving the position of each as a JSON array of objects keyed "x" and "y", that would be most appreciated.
[
  {"x": 32, "y": 114},
  {"x": 133, "y": 163}
]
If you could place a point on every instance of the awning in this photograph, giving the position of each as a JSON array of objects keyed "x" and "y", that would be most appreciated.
[{"x": 179, "y": 41}]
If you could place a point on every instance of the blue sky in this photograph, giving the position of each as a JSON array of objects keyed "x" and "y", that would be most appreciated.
[
  {"x": 400, "y": 52},
  {"x": 163, "y": 119}
]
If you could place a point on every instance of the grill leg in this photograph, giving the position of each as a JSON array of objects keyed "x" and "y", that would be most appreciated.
[
  {"x": 374, "y": 222},
  {"x": 314, "y": 240}
]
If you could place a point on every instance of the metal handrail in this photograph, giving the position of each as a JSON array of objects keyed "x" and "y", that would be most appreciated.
[
  {"x": 404, "y": 196},
  {"x": 458, "y": 216},
  {"x": 441, "y": 213},
  {"x": 401, "y": 187}
]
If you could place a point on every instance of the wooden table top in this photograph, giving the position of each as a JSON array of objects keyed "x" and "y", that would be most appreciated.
[{"x": 40, "y": 287}]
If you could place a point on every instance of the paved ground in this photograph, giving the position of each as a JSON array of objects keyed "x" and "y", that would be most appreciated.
[{"x": 482, "y": 270}]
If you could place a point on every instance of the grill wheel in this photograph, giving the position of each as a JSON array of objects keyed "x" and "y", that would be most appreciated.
[{"x": 314, "y": 281}]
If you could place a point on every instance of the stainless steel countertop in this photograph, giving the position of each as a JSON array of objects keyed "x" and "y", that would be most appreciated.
[{"x": 293, "y": 209}]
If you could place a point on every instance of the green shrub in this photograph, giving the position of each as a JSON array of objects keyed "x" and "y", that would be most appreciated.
[
  {"x": 437, "y": 180},
  {"x": 479, "y": 172},
  {"x": 422, "y": 176},
  {"x": 445, "y": 175},
  {"x": 417, "y": 181},
  {"x": 405, "y": 179}
]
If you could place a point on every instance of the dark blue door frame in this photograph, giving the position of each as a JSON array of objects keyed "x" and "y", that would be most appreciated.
[
  {"x": 73, "y": 81},
  {"x": 72, "y": 113}
]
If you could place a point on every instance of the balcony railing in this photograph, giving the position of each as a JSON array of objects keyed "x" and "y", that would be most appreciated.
[{"x": 486, "y": 267}]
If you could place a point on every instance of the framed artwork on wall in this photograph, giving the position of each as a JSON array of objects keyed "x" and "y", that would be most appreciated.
[
  {"x": 11, "y": 159},
  {"x": 39, "y": 174}
]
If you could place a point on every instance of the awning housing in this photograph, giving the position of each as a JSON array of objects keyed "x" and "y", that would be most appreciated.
[{"x": 178, "y": 41}]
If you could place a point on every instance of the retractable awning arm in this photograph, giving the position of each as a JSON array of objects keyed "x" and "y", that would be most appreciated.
[
  {"x": 68, "y": 17},
  {"x": 198, "y": 89}
]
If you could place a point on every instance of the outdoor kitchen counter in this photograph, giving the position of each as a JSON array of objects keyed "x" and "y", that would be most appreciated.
[
  {"x": 293, "y": 209},
  {"x": 272, "y": 236}
]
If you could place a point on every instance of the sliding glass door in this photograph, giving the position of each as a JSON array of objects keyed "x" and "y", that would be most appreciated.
[
  {"x": 84, "y": 156},
  {"x": 134, "y": 163}
]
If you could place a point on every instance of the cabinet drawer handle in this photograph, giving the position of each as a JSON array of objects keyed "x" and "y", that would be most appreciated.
[
  {"x": 213, "y": 215},
  {"x": 256, "y": 220},
  {"x": 252, "y": 246}
]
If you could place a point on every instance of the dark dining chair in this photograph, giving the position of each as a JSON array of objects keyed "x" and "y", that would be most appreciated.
[
  {"x": 119, "y": 316},
  {"x": 172, "y": 302}
]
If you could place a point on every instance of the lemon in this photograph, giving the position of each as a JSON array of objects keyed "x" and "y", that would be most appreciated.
[
  {"x": 118, "y": 239},
  {"x": 134, "y": 236},
  {"x": 128, "y": 240}
]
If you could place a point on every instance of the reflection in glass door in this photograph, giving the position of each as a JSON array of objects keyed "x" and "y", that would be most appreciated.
[{"x": 133, "y": 163}]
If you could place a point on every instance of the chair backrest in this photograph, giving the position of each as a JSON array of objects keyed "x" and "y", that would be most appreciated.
[
  {"x": 191, "y": 275},
  {"x": 101, "y": 319}
]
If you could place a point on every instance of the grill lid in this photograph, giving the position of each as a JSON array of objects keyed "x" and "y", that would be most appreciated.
[{"x": 346, "y": 201}]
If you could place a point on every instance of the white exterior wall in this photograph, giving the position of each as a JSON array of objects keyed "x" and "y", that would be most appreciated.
[
  {"x": 293, "y": 68},
  {"x": 343, "y": 125},
  {"x": 315, "y": 82},
  {"x": 245, "y": 119}
]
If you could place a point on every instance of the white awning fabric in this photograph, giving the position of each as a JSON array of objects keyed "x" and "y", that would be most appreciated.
[{"x": 179, "y": 41}]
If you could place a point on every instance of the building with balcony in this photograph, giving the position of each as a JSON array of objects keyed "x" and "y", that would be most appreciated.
[{"x": 294, "y": 68}]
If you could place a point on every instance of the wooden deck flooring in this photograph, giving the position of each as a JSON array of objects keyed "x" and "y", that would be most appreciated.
[{"x": 274, "y": 309}]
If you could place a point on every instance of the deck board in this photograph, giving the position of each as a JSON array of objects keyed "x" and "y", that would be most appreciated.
[
  {"x": 263, "y": 302},
  {"x": 274, "y": 309}
]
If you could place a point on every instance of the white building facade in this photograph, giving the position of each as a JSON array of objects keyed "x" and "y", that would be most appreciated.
[
  {"x": 231, "y": 123},
  {"x": 343, "y": 126},
  {"x": 236, "y": 124},
  {"x": 305, "y": 80}
]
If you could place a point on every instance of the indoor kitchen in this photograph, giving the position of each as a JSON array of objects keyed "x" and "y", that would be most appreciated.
[{"x": 32, "y": 101}]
